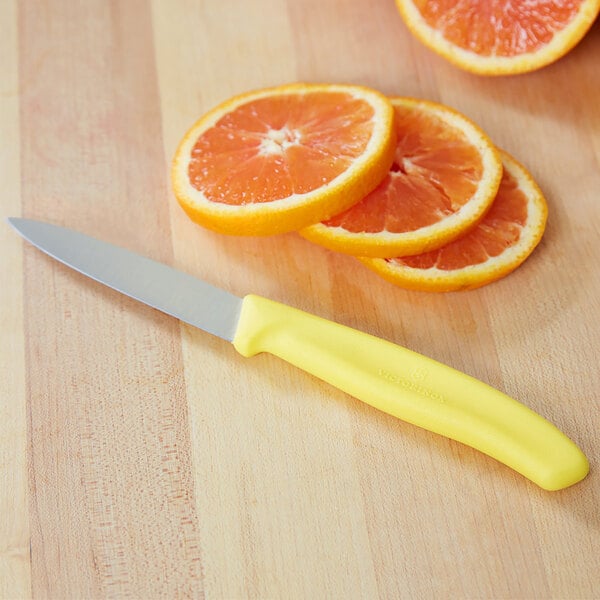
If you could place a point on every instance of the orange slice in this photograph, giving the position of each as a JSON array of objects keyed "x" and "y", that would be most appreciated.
[
  {"x": 444, "y": 177},
  {"x": 276, "y": 160},
  {"x": 504, "y": 238},
  {"x": 499, "y": 37}
]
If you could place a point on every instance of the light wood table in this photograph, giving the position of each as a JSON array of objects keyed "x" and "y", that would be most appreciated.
[{"x": 140, "y": 458}]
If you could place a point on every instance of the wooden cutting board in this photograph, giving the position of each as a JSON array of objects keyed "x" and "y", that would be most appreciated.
[{"x": 142, "y": 458}]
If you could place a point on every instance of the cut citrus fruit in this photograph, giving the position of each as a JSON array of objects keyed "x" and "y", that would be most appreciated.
[
  {"x": 278, "y": 159},
  {"x": 444, "y": 177},
  {"x": 503, "y": 239},
  {"x": 499, "y": 37}
]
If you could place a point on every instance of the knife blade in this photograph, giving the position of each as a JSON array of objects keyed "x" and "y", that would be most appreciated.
[{"x": 388, "y": 377}]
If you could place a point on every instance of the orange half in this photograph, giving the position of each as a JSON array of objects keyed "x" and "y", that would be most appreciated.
[
  {"x": 501, "y": 242},
  {"x": 279, "y": 159}
]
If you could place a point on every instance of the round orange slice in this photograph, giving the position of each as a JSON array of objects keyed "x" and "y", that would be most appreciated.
[
  {"x": 499, "y": 37},
  {"x": 443, "y": 179},
  {"x": 503, "y": 239},
  {"x": 279, "y": 159}
]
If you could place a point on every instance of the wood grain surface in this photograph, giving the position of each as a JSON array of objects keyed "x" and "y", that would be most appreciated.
[{"x": 141, "y": 458}]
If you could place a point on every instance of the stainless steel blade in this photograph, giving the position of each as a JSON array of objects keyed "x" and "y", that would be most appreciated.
[{"x": 168, "y": 290}]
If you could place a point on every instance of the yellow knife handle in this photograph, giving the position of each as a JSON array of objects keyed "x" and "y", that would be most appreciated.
[{"x": 413, "y": 388}]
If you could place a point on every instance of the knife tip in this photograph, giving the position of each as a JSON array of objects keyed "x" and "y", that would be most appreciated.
[{"x": 16, "y": 222}]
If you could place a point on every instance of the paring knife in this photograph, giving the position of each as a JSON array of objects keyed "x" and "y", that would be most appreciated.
[{"x": 393, "y": 379}]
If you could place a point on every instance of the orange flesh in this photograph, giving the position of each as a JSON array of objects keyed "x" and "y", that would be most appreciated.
[
  {"x": 271, "y": 148},
  {"x": 498, "y": 230},
  {"x": 498, "y": 27},
  {"x": 435, "y": 172}
]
